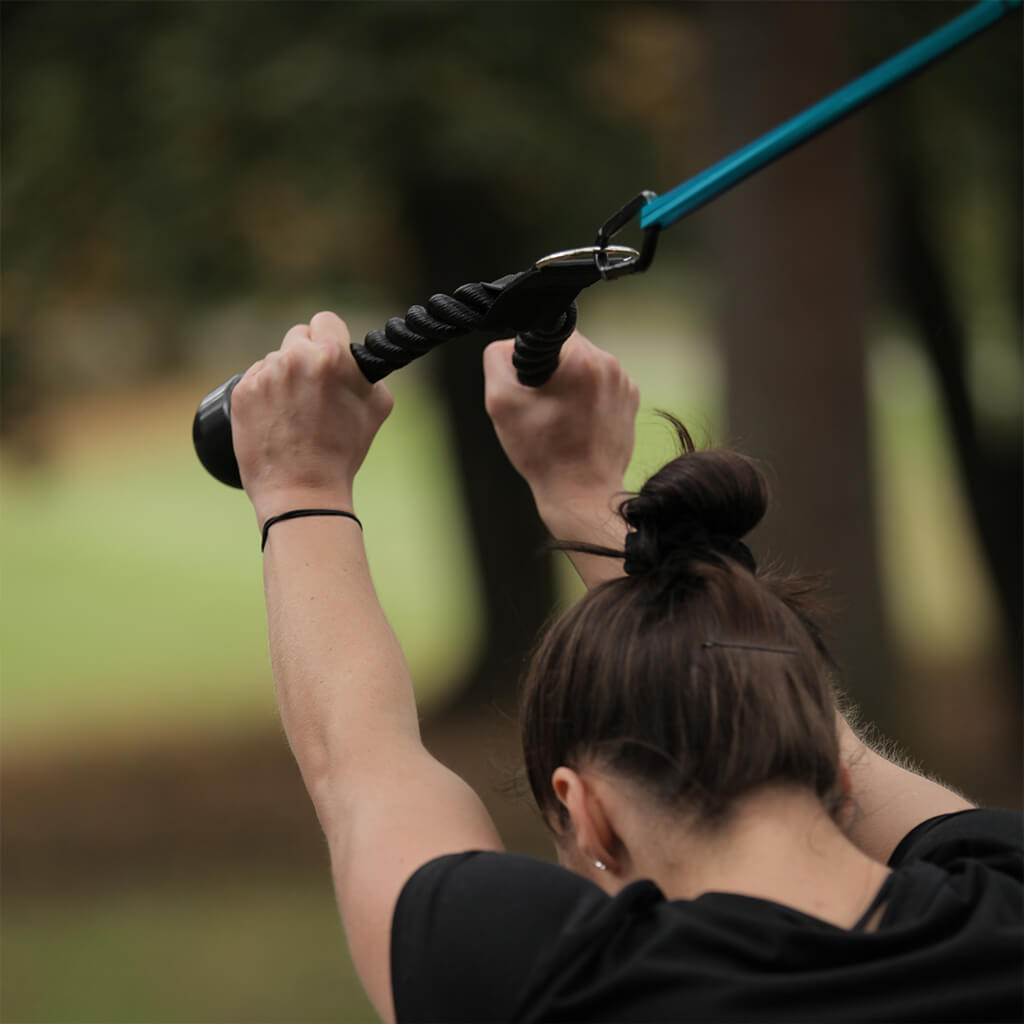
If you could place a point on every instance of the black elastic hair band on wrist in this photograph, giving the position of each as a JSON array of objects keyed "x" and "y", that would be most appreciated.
[{"x": 301, "y": 513}]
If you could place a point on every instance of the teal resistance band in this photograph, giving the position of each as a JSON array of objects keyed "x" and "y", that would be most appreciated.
[{"x": 671, "y": 206}]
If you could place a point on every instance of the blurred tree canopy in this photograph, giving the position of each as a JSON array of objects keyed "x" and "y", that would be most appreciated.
[
  {"x": 169, "y": 153},
  {"x": 162, "y": 157}
]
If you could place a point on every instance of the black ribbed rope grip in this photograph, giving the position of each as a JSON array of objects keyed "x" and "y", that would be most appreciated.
[
  {"x": 537, "y": 306},
  {"x": 470, "y": 310}
]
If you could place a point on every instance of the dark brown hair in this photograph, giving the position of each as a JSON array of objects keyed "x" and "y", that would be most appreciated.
[{"x": 694, "y": 675}]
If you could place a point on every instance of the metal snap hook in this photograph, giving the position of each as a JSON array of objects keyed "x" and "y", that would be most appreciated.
[
  {"x": 619, "y": 257},
  {"x": 608, "y": 269}
]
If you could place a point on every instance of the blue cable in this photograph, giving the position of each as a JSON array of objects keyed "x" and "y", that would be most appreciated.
[{"x": 666, "y": 209}]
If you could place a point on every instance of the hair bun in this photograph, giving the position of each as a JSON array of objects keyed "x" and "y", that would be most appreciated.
[{"x": 698, "y": 506}]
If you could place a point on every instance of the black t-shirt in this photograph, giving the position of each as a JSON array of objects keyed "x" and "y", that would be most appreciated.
[{"x": 499, "y": 937}]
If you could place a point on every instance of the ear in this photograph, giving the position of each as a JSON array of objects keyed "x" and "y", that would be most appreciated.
[{"x": 595, "y": 835}]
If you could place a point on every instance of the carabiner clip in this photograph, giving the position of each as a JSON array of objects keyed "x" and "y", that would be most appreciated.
[
  {"x": 610, "y": 269},
  {"x": 620, "y": 258}
]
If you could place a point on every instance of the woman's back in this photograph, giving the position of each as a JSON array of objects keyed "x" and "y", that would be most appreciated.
[{"x": 489, "y": 937}]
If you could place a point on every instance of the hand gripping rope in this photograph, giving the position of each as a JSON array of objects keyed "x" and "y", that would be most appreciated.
[{"x": 538, "y": 305}]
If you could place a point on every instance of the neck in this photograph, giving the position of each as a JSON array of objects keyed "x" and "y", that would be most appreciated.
[{"x": 778, "y": 845}]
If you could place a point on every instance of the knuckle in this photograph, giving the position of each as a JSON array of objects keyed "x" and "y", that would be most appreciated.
[
  {"x": 496, "y": 355},
  {"x": 385, "y": 400},
  {"x": 497, "y": 402},
  {"x": 586, "y": 361},
  {"x": 330, "y": 327}
]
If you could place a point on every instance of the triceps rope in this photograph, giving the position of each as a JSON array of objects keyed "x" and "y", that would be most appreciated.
[
  {"x": 470, "y": 309},
  {"x": 467, "y": 310},
  {"x": 444, "y": 317},
  {"x": 537, "y": 306}
]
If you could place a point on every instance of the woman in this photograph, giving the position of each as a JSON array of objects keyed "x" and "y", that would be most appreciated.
[{"x": 730, "y": 850}]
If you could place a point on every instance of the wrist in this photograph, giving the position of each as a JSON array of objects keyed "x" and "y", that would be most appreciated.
[{"x": 586, "y": 514}]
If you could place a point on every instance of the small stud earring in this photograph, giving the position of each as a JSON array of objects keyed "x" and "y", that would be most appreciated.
[{"x": 600, "y": 865}]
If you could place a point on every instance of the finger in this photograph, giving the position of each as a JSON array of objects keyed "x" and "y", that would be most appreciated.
[
  {"x": 298, "y": 335},
  {"x": 575, "y": 350},
  {"x": 498, "y": 359},
  {"x": 251, "y": 374},
  {"x": 331, "y": 334},
  {"x": 328, "y": 328},
  {"x": 577, "y": 343},
  {"x": 383, "y": 399},
  {"x": 575, "y": 363}
]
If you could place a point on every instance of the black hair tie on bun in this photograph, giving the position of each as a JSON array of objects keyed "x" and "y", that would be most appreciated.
[
  {"x": 635, "y": 564},
  {"x": 644, "y": 554}
]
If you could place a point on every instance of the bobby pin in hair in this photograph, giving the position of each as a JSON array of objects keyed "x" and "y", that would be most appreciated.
[{"x": 750, "y": 647}]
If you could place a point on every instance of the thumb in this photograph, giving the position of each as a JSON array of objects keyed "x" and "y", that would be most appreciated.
[{"x": 498, "y": 360}]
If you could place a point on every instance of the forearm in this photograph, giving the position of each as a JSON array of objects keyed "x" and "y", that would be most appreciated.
[
  {"x": 593, "y": 519},
  {"x": 341, "y": 680},
  {"x": 571, "y": 440}
]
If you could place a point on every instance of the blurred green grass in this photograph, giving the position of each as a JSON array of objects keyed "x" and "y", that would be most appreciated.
[
  {"x": 254, "y": 948},
  {"x": 131, "y": 581}
]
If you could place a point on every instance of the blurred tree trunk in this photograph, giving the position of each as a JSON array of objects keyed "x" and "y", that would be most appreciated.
[
  {"x": 990, "y": 463},
  {"x": 792, "y": 248},
  {"x": 462, "y": 234}
]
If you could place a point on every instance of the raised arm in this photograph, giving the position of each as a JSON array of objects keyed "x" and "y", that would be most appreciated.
[
  {"x": 571, "y": 440},
  {"x": 889, "y": 798},
  {"x": 303, "y": 420}
]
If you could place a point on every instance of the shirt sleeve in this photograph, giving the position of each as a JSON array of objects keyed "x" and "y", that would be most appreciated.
[
  {"x": 470, "y": 929},
  {"x": 992, "y": 837}
]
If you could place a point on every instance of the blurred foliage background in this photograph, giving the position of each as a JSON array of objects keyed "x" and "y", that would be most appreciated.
[{"x": 183, "y": 181}]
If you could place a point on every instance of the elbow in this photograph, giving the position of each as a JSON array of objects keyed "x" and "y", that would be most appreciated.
[{"x": 318, "y": 776}]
